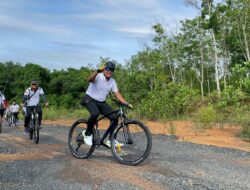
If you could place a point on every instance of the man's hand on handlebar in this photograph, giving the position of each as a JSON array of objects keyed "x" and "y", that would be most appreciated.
[{"x": 128, "y": 105}]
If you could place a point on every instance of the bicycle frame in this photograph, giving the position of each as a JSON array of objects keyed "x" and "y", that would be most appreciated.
[{"x": 119, "y": 114}]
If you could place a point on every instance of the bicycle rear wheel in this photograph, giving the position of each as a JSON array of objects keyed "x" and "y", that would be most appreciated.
[
  {"x": 76, "y": 143},
  {"x": 36, "y": 131},
  {"x": 136, "y": 142}
]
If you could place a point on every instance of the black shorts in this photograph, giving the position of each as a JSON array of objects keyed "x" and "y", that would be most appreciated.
[{"x": 2, "y": 112}]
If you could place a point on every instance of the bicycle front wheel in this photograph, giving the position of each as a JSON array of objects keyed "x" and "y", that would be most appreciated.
[
  {"x": 31, "y": 128},
  {"x": 76, "y": 143},
  {"x": 36, "y": 131},
  {"x": 135, "y": 142},
  {"x": 10, "y": 121}
]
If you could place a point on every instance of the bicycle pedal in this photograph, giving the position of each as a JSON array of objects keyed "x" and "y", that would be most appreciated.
[{"x": 118, "y": 149}]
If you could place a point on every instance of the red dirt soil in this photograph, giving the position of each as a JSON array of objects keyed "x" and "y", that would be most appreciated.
[{"x": 186, "y": 131}]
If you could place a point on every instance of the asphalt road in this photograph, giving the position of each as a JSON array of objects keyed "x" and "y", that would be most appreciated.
[{"x": 171, "y": 165}]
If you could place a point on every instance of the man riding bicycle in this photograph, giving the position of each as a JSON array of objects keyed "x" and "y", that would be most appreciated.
[
  {"x": 31, "y": 98},
  {"x": 14, "y": 109},
  {"x": 101, "y": 84}
]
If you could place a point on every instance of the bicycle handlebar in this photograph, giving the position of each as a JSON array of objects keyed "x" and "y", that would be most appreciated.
[{"x": 121, "y": 104}]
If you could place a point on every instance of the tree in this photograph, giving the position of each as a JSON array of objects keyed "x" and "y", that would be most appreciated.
[{"x": 209, "y": 23}]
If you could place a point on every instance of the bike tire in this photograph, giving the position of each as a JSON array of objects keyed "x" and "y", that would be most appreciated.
[
  {"x": 36, "y": 131},
  {"x": 10, "y": 121},
  {"x": 14, "y": 121},
  {"x": 76, "y": 143},
  {"x": 31, "y": 127},
  {"x": 137, "y": 142}
]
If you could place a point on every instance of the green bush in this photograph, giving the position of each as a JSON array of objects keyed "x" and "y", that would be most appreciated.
[
  {"x": 242, "y": 118},
  {"x": 167, "y": 103},
  {"x": 229, "y": 97},
  {"x": 206, "y": 117}
]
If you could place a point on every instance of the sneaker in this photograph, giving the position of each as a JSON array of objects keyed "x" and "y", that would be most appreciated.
[
  {"x": 117, "y": 143},
  {"x": 88, "y": 140},
  {"x": 107, "y": 143},
  {"x": 40, "y": 127}
]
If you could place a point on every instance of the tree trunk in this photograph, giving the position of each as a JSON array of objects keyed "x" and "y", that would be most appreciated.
[
  {"x": 246, "y": 42},
  {"x": 208, "y": 85},
  {"x": 170, "y": 68},
  {"x": 216, "y": 63},
  {"x": 202, "y": 73},
  {"x": 215, "y": 49}
]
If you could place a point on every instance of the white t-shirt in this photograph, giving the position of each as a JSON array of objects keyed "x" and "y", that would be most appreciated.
[
  {"x": 101, "y": 87},
  {"x": 2, "y": 98},
  {"x": 14, "y": 108},
  {"x": 34, "y": 100}
]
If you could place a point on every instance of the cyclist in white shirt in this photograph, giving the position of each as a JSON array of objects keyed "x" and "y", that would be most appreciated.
[
  {"x": 31, "y": 98},
  {"x": 14, "y": 109},
  {"x": 2, "y": 106},
  {"x": 101, "y": 84}
]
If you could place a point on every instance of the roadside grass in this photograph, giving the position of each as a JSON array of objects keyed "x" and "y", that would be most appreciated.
[
  {"x": 205, "y": 118},
  {"x": 243, "y": 119},
  {"x": 172, "y": 129},
  {"x": 52, "y": 113}
]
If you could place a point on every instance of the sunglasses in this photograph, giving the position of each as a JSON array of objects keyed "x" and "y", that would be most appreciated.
[
  {"x": 109, "y": 69},
  {"x": 34, "y": 84}
]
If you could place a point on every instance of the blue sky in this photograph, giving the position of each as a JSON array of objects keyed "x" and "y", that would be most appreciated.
[{"x": 58, "y": 34}]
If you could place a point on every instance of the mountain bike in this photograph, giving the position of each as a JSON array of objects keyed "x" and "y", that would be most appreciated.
[
  {"x": 11, "y": 120},
  {"x": 134, "y": 136},
  {"x": 34, "y": 124}
]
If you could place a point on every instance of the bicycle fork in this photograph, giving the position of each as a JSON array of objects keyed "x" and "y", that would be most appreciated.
[{"x": 127, "y": 134}]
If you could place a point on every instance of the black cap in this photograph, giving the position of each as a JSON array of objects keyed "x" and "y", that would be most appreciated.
[
  {"x": 110, "y": 65},
  {"x": 34, "y": 82}
]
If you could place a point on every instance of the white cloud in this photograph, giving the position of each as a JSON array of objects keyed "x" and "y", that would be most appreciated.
[
  {"x": 131, "y": 17},
  {"x": 33, "y": 25},
  {"x": 137, "y": 32}
]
